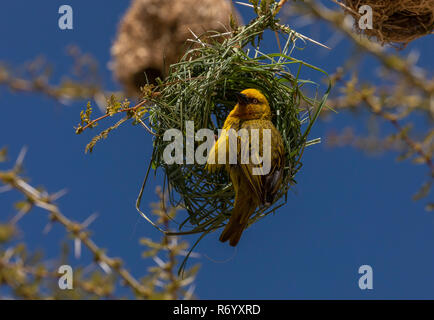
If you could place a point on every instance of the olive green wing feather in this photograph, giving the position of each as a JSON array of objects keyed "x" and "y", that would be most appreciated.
[{"x": 264, "y": 180}]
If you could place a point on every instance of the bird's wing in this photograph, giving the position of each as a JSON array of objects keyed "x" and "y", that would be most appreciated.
[
  {"x": 212, "y": 164},
  {"x": 273, "y": 180},
  {"x": 264, "y": 182},
  {"x": 222, "y": 144}
]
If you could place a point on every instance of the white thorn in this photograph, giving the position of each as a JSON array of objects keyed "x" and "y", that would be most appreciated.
[
  {"x": 105, "y": 267},
  {"x": 89, "y": 220},
  {"x": 158, "y": 261},
  {"x": 192, "y": 254},
  {"x": 245, "y": 4},
  {"x": 21, "y": 156},
  {"x": 47, "y": 228},
  {"x": 18, "y": 216},
  {"x": 5, "y": 189},
  {"x": 58, "y": 194},
  {"x": 77, "y": 248},
  {"x": 189, "y": 294}
]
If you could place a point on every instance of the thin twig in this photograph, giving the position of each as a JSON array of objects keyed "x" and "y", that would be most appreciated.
[{"x": 91, "y": 123}]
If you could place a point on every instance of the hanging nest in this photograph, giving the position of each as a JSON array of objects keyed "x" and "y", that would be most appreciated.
[
  {"x": 152, "y": 36},
  {"x": 396, "y": 21},
  {"x": 201, "y": 88}
]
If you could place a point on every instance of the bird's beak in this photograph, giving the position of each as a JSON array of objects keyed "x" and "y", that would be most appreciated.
[{"x": 242, "y": 98}]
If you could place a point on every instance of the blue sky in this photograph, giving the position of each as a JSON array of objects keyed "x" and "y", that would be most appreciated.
[{"x": 347, "y": 210}]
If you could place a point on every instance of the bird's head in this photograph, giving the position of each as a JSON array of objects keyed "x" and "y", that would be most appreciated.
[{"x": 252, "y": 104}]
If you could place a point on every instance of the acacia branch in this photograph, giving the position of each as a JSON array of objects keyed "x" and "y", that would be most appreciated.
[
  {"x": 5, "y": 264},
  {"x": 415, "y": 146},
  {"x": 43, "y": 201}
]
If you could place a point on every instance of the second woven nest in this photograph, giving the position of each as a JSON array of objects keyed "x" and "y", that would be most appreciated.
[
  {"x": 152, "y": 36},
  {"x": 396, "y": 21}
]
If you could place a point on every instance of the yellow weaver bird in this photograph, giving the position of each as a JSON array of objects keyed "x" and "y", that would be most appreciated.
[{"x": 252, "y": 113}]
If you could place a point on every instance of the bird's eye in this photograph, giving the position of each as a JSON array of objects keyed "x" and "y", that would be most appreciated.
[{"x": 255, "y": 101}]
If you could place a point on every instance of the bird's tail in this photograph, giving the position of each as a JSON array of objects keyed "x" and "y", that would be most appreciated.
[
  {"x": 232, "y": 232},
  {"x": 237, "y": 223}
]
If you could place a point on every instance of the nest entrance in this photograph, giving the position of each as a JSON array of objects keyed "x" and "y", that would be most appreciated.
[{"x": 396, "y": 21}]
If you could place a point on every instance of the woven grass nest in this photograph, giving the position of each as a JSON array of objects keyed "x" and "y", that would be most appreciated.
[
  {"x": 152, "y": 36},
  {"x": 396, "y": 21},
  {"x": 201, "y": 88}
]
